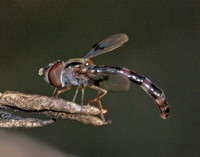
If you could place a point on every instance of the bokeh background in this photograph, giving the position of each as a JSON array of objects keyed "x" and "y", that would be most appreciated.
[{"x": 164, "y": 44}]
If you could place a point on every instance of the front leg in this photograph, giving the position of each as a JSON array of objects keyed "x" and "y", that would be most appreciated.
[{"x": 61, "y": 91}]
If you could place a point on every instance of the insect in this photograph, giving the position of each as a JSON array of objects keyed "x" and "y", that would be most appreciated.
[{"x": 82, "y": 72}]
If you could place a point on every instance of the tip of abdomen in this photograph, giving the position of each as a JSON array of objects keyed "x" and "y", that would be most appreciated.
[
  {"x": 165, "y": 113},
  {"x": 163, "y": 106}
]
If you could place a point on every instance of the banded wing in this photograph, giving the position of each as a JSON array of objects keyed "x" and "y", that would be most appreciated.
[
  {"x": 109, "y": 78},
  {"x": 107, "y": 45}
]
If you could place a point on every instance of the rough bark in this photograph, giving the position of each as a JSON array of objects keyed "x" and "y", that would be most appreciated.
[{"x": 53, "y": 108}]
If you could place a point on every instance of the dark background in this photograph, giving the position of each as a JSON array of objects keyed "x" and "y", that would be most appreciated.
[{"x": 163, "y": 45}]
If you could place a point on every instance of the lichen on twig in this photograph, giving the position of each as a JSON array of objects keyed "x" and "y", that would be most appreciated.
[{"x": 51, "y": 107}]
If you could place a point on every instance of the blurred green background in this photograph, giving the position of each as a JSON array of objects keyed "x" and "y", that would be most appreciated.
[{"x": 164, "y": 43}]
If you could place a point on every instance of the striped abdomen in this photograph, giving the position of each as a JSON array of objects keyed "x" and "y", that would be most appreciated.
[
  {"x": 117, "y": 79},
  {"x": 151, "y": 89}
]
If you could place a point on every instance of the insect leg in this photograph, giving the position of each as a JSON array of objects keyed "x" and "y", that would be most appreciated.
[
  {"x": 98, "y": 88},
  {"x": 99, "y": 96},
  {"x": 75, "y": 95},
  {"x": 63, "y": 90},
  {"x": 100, "y": 106},
  {"x": 82, "y": 97},
  {"x": 54, "y": 92}
]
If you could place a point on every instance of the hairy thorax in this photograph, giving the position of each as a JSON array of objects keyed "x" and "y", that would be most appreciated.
[{"x": 75, "y": 77}]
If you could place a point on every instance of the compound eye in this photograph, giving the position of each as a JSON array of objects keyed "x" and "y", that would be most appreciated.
[
  {"x": 54, "y": 74},
  {"x": 88, "y": 63}
]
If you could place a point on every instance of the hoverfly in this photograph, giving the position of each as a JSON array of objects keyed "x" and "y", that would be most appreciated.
[{"x": 82, "y": 72}]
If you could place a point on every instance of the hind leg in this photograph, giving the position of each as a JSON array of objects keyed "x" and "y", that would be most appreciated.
[
  {"x": 100, "y": 96},
  {"x": 97, "y": 99}
]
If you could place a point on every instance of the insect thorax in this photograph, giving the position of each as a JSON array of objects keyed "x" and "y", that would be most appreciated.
[{"x": 73, "y": 72}]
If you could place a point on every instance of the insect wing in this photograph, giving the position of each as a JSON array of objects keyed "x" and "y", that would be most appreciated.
[
  {"x": 109, "y": 79},
  {"x": 107, "y": 45}
]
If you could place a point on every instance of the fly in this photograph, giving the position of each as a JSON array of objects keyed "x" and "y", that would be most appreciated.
[{"x": 82, "y": 72}]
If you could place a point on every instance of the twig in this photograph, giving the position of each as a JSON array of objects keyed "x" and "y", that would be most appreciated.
[{"x": 51, "y": 107}]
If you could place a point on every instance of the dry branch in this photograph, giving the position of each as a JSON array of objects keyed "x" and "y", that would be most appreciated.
[{"x": 51, "y": 107}]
